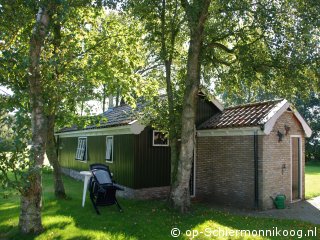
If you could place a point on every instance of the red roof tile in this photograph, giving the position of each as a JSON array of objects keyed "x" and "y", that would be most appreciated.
[{"x": 247, "y": 115}]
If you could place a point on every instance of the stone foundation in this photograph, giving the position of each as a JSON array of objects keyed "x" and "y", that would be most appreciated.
[
  {"x": 141, "y": 194},
  {"x": 72, "y": 173}
]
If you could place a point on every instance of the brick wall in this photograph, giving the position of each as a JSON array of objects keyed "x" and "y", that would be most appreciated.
[
  {"x": 225, "y": 166},
  {"x": 225, "y": 170},
  {"x": 274, "y": 179}
]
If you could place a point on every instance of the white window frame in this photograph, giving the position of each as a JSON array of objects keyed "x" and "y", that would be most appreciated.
[
  {"x": 112, "y": 149},
  {"x": 300, "y": 163},
  {"x": 159, "y": 145},
  {"x": 79, "y": 149}
]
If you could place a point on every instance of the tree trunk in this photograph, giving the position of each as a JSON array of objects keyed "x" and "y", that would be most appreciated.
[
  {"x": 167, "y": 57},
  {"x": 30, "y": 215},
  {"x": 52, "y": 109},
  {"x": 104, "y": 98},
  {"x": 53, "y": 159},
  {"x": 110, "y": 101},
  {"x": 117, "y": 97},
  {"x": 173, "y": 138},
  {"x": 196, "y": 15}
]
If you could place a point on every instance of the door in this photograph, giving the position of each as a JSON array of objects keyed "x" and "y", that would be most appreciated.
[
  {"x": 191, "y": 181},
  {"x": 296, "y": 165}
]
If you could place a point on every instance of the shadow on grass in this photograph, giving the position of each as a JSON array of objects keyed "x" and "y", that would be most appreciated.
[{"x": 66, "y": 219}]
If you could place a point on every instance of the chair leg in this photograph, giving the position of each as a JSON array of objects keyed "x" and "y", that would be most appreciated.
[
  {"x": 118, "y": 205},
  {"x": 94, "y": 204},
  {"x": 96, "y": 208}
]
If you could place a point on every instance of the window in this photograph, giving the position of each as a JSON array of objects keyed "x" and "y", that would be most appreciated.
[
  {"x": 109, "y": 149},
  {"x": 81, "y": 153},
  {"x": 159, "y": 139}
]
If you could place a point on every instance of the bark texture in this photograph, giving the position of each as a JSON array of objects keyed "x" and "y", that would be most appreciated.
[
  {"x": 51, "y": 148},
  {"x": 30, "y": 215},
  {"x": 167, "y": 58},
  {"x": 196, "y": 15},
  {"x": 52, "y": 155}
]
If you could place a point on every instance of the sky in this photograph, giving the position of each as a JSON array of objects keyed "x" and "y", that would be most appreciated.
[{"x": 5, "y": 91}]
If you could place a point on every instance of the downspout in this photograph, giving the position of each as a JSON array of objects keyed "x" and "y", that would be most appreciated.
[{"x": 256, "y": 171}]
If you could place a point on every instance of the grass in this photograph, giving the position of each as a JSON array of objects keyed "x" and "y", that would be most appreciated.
[
  {"x": 312, "y": 172},
  {"x": 66, "y": 219}
]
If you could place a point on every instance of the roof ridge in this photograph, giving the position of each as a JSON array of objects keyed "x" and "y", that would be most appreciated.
[{"x": 255, "y": 103}]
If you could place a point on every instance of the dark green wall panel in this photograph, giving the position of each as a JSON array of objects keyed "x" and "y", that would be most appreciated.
[
  {"x": 205, "y": 110},
  {"x": 136, "y": 163},
  {"x": 152, "y": 164},
  {"x": 123, "y": 158}
]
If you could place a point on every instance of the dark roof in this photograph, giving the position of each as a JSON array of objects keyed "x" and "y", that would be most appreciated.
[
  {"x": 247, "y": 115},
  {"x": 117, "y": 116}
]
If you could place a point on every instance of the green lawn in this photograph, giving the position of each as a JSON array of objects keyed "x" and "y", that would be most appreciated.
[
  {"x": 312, "y": 180},
  {"x": 66, "y": 219}
]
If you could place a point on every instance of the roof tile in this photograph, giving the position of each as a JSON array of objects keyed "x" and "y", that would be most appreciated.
[{"x": 240, "y": 116}]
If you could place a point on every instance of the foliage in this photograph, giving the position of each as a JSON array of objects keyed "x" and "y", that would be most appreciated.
[
  {"x": 262, "y": 50},
  {"x": 14, "y": 153},
  {"x": 310, "y": 109},
  {"x": 165, "y": 28},
  {"x": 14, "y": 140},
  {"x": 66, "y": 219},
  {"x": 86, "y": 47}
]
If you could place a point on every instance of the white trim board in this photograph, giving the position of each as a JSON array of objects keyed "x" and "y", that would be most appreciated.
[
  {"x": 277, "y": 111},
  {"x": 133, "y": 127},
  {"x": 194, "y": 163},
  {"x": 112, "y": 149},
  {"x": 246, "y": 131},
  {"x": 300, "y": 163}
]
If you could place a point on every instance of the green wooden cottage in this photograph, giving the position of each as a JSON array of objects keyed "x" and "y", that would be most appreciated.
[
  {"x": 138, "y": 156},
  {"x": 243, "y": 154}
]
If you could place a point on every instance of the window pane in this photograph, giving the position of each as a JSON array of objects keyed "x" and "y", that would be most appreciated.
[
  {"x": 109, "y": 148},
  {"x": 81, "y": 149}
]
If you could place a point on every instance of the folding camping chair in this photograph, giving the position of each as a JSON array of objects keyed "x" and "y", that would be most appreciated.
[{"x": 102, "y": 188}]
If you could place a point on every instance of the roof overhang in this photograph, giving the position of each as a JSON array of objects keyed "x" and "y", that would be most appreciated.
[
  {"x": 216, "y": 103},
  {"x": 133, "y": 127},
  {"x": 265, "y": 125},
  {"x": 211, "y": 98},
  {"x": 277, "y": 111}
]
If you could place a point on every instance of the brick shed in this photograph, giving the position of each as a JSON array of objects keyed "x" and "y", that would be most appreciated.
[{"x": 247, "y": 154}]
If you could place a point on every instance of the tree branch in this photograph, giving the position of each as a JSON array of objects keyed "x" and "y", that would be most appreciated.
[
  {"x": 221, "y": 46},
  {"x": 216, "y": 60},
  {"x": 142, "y": 71},
  {"x": 99, "y": 43}
]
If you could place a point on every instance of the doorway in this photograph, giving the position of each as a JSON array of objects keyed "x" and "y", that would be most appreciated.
[{"x": 296, "y": 174}]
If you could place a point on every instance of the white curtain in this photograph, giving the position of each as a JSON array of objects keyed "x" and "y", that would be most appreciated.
[{"x": 109, "y": 148}]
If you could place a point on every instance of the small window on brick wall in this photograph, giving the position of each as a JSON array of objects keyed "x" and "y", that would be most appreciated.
[{"x": 81, "y": 153}]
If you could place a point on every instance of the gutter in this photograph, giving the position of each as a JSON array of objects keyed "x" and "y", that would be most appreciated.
[{"x": 133, "y": 127}]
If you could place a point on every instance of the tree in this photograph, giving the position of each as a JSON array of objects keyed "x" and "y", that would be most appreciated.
[
  {"x": 310, "y": 109},
  {"x": 196, "y": 14},
  {"x": 256, "y": 51},
  {"x": 72, "y": 45},
  {"x": 164, "y": 21},
  {"x": 30, "y": 217}
]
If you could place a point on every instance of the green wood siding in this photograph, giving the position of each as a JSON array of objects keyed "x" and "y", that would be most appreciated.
[
  {"x": 152, "y": 164},
  {"x": 123, "y": 156},
  {"x": 205, "y": 110},
  {"x": 136, "y": 163}
]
